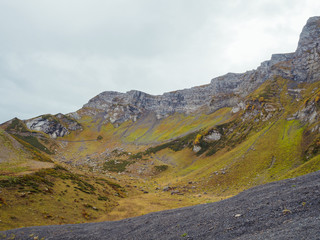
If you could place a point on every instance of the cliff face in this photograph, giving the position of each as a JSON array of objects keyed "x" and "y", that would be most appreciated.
[{"x": 301, "y": 66}]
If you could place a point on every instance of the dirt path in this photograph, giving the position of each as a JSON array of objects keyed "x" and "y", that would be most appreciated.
[{"x": 288, "y": 209}]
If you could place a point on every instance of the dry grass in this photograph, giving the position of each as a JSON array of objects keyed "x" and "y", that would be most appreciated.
[{"x": 153, "y": 202}]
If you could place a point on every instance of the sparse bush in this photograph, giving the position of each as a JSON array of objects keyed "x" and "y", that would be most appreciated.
[
  {"x": 161, "y": 168},
  {"x": 116, "y": 165},
  {"x": 45, "y": 178},
  {"x": 197, "y": 140},
  {"x": 17, "y": 126},
  {"x": 33, "y": 144},
  {"x": 138, "y": 155},
  {"x": 2, "y": 202},
  {"x": 103, "y": 198},
  {"x": 175, "y": 145}
]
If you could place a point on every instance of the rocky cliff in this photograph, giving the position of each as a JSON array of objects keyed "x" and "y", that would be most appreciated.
[
  {"x": 301, "y": 66},
  {"x": 55, "y": 126}
]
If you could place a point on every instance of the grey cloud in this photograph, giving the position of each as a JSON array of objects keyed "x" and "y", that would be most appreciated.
[{"x": 56, "y": 55}]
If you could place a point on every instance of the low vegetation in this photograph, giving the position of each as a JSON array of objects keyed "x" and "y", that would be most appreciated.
[
  {"x": 16, "y": 125},
  {"x": 161, "y": 168},
  {"x": 116, "y": 165},
  {"x": 55, "y": 196},
  {"x": 33, "y": 141}
]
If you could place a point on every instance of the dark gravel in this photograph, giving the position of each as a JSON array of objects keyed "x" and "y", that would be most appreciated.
[{"x": 288, "y": 209}]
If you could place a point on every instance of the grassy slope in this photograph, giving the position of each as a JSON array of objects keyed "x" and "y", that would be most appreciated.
[
  {"x": 150, "y": 130},
  {"x": 55, "y": 196},
  {"x": 36, "y": 192},
  {"x": 256, "y": 152},
  {"x": 269, "y": 151},
  {"x": 17, "y": 159},
  {"x": 272, "y": 151}
]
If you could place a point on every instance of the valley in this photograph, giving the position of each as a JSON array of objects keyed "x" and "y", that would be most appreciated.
[{"x": 124, "y": 155}]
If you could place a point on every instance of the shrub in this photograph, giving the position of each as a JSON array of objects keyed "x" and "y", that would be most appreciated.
[
  {"x": 103, "y": 198},
  {"x": 161, "y": 168},
  {"x": 197, "y": 140},
  {"x": 138, "y": 155},
  {"x": 116, "y": 165},
  {"x": 17, "y": 125},
  {"x": 2, "y": 202}
]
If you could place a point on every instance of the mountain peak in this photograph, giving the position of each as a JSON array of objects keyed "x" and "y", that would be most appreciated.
[{"x": 310, "y": 35}]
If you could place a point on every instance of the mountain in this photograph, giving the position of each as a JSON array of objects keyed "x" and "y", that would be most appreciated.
[
  {"x": 302, "y": 66},
  {"x": 127, "y": 154}
]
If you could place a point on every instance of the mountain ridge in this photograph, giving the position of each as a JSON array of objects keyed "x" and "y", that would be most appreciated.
[{"x": 223, "y": 91}]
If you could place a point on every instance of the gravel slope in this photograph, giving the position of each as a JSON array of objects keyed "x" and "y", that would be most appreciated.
[{"x": 288, "y": 209}]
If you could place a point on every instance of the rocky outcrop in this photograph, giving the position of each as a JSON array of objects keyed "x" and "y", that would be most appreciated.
[
  {"x": 225, "y": 91},
  {"x": 309, "y": 113},
  {"x": 55, "y": 126},
  {"x": 306, "y": 60},
  {"x": 213, "y": 136}
]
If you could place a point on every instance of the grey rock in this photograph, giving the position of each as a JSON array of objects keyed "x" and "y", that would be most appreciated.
[
  {"x": 54, "y": 126},
  {"x": 196, "y": 148},
  {"x": 175, "y": 192},
  {"x": 307, "y": 114},
  {"x": 214, "y": 136}
]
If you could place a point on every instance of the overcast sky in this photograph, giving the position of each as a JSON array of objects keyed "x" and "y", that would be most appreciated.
[{"x": 57, "y": 54}]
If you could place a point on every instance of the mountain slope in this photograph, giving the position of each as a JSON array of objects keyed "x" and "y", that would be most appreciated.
[{"x": 185, "y": 147}]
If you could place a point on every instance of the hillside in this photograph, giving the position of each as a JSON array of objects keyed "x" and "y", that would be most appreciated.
[
  {"x": 287, "y": 209},
  {"x": 128, "y": 154}
]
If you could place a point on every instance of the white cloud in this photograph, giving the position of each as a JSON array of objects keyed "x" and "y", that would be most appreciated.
[{"x": 56, "y": 55}]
